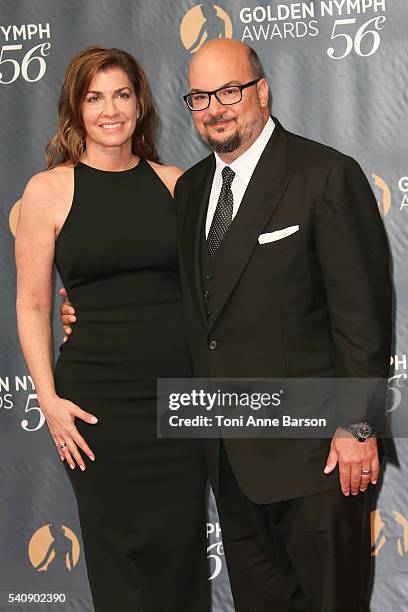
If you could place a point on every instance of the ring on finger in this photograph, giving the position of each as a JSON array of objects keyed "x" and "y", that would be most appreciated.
[{"x": 366, "y": 472}]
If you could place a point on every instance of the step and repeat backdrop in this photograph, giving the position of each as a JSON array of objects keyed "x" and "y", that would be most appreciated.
[{"x": 338, "y": 71}]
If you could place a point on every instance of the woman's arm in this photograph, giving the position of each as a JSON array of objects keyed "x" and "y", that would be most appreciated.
[
  {"x": 35, "y": 240},
  {"x": 35, "y": 245}
]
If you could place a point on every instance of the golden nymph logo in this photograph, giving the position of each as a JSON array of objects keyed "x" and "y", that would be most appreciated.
[
  {"x": 203, "y": 22},
  {"x": 13, "y": 217},
  {"x": 389, "y": 535},
  {"x": 53, "y": 546},
  {"x": 384, "y": 203}
]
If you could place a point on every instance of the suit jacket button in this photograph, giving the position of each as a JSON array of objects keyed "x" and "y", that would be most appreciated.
[
  {"x": 208, "y": 313},
  {"x": 208, "y": 276},
  {"x": 212, "y": 345},
  {"x": 207, "y": 294}
]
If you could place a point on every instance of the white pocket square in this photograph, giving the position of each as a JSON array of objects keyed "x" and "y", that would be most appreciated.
[{"x": 278, "y": 234}]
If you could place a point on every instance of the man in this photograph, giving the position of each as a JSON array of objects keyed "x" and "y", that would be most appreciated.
[{"x": 316, "y": 302}]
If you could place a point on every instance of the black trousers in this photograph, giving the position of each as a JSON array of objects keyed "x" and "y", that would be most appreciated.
[{"x": 310, "y": 554}]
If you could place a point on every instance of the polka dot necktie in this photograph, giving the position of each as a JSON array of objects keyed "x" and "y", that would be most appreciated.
[{"x": 223, "y": 212}]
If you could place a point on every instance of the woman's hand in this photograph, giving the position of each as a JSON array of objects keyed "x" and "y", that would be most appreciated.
[{"x": 60, "y": 415}]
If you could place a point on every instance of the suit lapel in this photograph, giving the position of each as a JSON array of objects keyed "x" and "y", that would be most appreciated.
[
  {"x": 194, "y": 220},
  {"x": 265, "y": 189}
]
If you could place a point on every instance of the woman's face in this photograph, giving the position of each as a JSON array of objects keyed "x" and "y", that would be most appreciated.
[{"x": 109, "y": 111}]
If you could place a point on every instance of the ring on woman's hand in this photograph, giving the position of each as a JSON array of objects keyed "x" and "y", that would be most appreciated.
[
  {"x": 366, "y": 472},
  {"x": 63, "y": 445}
]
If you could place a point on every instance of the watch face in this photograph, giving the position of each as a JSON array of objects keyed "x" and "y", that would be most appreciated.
[{"x": 364, "y": 430}]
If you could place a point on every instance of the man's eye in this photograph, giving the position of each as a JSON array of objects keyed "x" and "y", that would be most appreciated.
[
  {"x": 229, "y": 92},
  {"x": 199, "y": 97}
]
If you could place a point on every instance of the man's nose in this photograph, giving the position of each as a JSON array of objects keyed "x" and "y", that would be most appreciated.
[{"x": 215, "y": 106}]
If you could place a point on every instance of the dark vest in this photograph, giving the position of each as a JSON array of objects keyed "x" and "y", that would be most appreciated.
[{"x": 207, "y": 274}]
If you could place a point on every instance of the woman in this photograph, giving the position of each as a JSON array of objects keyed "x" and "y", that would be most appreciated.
[{"x": 103, "y": 211}]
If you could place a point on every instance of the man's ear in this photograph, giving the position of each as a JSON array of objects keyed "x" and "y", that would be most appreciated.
[{"x": 263, "y": 92}]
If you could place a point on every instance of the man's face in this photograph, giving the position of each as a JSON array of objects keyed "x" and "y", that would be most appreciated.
[{"x": 226, "y": 128}]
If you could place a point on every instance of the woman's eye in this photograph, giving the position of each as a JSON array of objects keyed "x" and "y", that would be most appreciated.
[
  {"x": 93, "y": 98},
  {"x": 124, "y": 94}
]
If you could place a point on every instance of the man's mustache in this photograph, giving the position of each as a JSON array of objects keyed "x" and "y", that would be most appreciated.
[{"x": 219, "y": 119}]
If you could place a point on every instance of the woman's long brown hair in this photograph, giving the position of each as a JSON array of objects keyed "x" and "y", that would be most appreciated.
[{"x": 69, "y": 143}]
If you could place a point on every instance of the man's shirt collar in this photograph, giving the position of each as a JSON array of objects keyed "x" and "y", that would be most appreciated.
[{"x": 245, "y": 164}]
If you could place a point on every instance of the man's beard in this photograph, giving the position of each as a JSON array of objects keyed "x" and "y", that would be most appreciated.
[
  {"x": 233, "y": 142},
  {"x": 229, "y": 145}
]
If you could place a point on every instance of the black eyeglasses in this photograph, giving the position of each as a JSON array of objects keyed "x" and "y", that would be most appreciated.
[{"x": 225, "y": 95}]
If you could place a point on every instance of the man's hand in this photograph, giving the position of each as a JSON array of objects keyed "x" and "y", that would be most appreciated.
[
  {"x": 354, "y": 458},
  {"x": 67, "y": 314}
]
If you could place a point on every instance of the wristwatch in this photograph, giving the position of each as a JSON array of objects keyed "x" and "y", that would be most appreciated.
[{"x": 362, "y": 430}]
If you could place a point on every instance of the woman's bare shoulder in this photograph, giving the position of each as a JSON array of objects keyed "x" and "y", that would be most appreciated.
[
  {"x": 49, "y": 189},
  {"x": 168, "y": 174},
  {"x": 44, "y": 186}
]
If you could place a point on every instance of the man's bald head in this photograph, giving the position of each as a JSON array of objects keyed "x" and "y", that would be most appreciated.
[
  {"x": 219, "y": 63},
  {"x": 221, "y": 48}
]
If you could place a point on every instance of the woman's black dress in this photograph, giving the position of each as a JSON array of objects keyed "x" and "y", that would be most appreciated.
[{"x": 142, "y": 502}]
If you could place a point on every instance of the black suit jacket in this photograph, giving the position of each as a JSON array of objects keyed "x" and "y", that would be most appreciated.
[{"x": 316, "y": 303}]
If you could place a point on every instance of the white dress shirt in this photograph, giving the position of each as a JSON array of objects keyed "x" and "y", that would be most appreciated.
[{"x": 243, "y": 167}]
